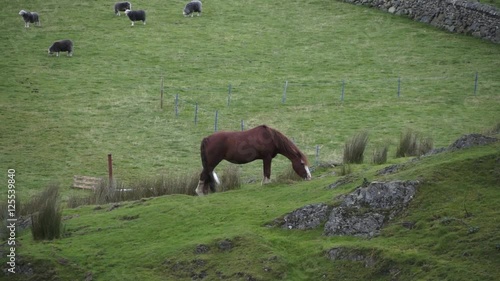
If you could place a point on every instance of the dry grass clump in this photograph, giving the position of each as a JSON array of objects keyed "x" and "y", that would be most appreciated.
[
  {"x": 287, "y": 176},
  {"x": 380, "y": 155},
  {"x": 412, "y": 143},
  {"x": 345, "y": 170},
  {"x": 354, "y": 148},
  {"x": 152, "y": 187},
  {"x": 230, "y": 179},
  {"x": 46, "y": 216},
  {"x": 493, "y": 131}
]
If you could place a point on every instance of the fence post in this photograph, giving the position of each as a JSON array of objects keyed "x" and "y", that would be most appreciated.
[
  {"x": 283, "y": 99},
  {"x": 343, "y": 88},
  {"x": 161, "y": 92},
  {"x": 242, "y": 125},
  {"x": 216, "y": 120},
  {"x": 399, "y": 87},
  {"x": 176, "y": 105},
  {"x": 110, "y": 170},
  {"x": 317, "y": 155},
  {"x": 196, "y": 113},
  {"x": 475, "y": 84},
  {"x": 229, "y": 95}
]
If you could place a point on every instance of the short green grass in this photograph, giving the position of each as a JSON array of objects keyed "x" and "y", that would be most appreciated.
[
  {"x": 62, "y": 116},
  {"x": 454, "y": 236}
]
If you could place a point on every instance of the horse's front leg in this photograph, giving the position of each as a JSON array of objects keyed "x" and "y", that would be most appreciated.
[{"x": 267, "y": 170}]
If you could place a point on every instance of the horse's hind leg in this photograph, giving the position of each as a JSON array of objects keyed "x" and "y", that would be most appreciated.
[{"x": 200, "y": 188}]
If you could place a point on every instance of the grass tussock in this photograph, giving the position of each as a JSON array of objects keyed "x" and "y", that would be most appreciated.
[
  {"x": 144, "y": 188},
  {"x": 345, "y": 170},
  {"x": 46, "y": 219},
  {"x": 3, "y": 220},
  {"x": 354, "y": 148},
  {"x": 153, "y": 187},
  {"x": 287, "y": 176},
  {"x": 412, "y": 143},
  {"x": 380, "y": 155},
  {"x": 493, "y": 131},
  {"x": 230, "y": 179}
]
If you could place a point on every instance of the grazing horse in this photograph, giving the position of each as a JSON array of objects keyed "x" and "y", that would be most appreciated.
[{"x": 242, "y": 147}]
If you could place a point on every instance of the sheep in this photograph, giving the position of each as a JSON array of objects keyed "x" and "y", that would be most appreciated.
[
  {"x": 122, "y": 6},
  {"x": 192, "y": 7},
  {"x": 138, "y": 15},
  {"x": 61, "y": 46},
  {"x": 30, "y": 18}
]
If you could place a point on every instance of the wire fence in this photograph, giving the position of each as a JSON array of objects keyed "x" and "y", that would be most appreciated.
[
  {"x": 208, "y": 104},
  {"x": 193, "y": 100},
  {"x": 356, "y": 90}
]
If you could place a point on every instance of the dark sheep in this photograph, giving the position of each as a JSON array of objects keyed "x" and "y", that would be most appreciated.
[
  {"x": 138, "y": 15},
  {"x": 30, "y": 18},
  {"x": 61, "y": 46},
  {"x": 122, "y": 6},
  {"x": 192, "y": 7}
]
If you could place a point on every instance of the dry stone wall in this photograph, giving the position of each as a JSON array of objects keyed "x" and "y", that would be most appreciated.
[{"x": 459, "y": 16}]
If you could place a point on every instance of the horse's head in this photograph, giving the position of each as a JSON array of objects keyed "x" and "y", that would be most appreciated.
[{"x": 300, "y": 167}]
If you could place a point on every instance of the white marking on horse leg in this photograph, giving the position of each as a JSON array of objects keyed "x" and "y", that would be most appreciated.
[
  {"x": 132, "y": 24},
  {"x": 199, "y": 188},
  {"x": 266, "y": 180},
  {"x": 308, "y": 177},
  {"x": 216, "y": 178}
]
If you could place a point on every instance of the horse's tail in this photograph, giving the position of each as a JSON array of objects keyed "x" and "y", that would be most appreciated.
[
  {"x": 211, "y": 178},
  {"x": 203, "y": 152}
]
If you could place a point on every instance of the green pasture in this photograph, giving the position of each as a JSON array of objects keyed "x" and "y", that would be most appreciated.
[
  {"x": 61, "y": 116},
  {"x": 179, "y": 237}
]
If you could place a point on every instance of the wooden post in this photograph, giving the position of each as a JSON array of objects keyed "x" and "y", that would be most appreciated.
[
  {"x": 110, "y": 170},
  {"x": 242, "y": 125}
]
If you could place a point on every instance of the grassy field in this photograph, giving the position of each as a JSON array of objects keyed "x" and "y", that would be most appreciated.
[
  {"x": 60, "y": 117},
  {"x": 455, "y": 216}
]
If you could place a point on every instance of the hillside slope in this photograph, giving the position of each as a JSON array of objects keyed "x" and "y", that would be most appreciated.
[
  {"x": 60, "y": 117},
  {"x": 224, "y": 236}
]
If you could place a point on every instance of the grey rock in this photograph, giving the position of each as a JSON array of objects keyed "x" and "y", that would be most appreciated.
[
  {"x": 308, "y": 217},
  {"x": 472, "y": 140}
]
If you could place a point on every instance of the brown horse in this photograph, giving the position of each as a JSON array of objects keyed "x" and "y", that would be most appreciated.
[{"x": 242, "y": 147}]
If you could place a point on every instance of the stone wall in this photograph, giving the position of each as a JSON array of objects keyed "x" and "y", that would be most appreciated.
[{"x": 459, "y": 16}]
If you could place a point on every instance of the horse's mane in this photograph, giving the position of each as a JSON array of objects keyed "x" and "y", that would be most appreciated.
[{"x": 285, "y": 145}]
